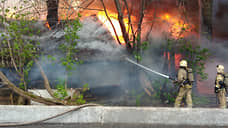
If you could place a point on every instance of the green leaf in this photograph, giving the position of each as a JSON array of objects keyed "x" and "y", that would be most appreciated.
[{"x": 7, "y": 10}]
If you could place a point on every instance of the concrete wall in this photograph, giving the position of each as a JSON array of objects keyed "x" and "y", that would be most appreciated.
[{"x": 116, "y": 116}]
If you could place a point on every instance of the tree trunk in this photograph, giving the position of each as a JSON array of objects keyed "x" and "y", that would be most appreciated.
[
  {"x": 206, "y": 8},
  {"x": 122, "y": 25},
  {"x": 52, "y": 14},
  {"x": 130, "y": 23},
  {"x": 139, "y": 41}
]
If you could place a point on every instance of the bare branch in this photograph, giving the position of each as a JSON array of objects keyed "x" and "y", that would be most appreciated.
[
  {"x": 11, "y": 55},
  {"x": 46, "y": 82},
  {"x": 86, "y": 6},
  {"x": 130, "y": 23},
  {"x": 110, "y": 22},
  {"x": 123, "y": 28},
  {"x": 140, "y": 26}
]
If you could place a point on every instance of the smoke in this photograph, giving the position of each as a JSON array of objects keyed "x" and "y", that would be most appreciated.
[
  {"x": 219, "y": 55},
  {"x": 94, "y": 35},
  {"x": 104, "y": 65},
  {"x": 97, "y": 48},
  {"x": 53, "y": 70},
  {"x": 218, "y": 50},
  {"x": 94, "y": 73}
]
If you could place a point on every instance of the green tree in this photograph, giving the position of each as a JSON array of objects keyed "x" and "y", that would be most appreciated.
[{"x": 18, "y": 47}]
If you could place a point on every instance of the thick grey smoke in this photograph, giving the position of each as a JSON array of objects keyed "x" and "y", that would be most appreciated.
[
  {"x": 97, "y": 48},
  {"x": 94, "y": 35}
]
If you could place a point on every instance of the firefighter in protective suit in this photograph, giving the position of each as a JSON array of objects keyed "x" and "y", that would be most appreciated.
[
  {"x": 220, "y": 86},
  {"x": 185, "y": 80}
]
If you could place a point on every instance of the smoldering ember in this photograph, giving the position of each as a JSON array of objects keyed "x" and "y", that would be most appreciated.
[{"x": 149, "y": 55}]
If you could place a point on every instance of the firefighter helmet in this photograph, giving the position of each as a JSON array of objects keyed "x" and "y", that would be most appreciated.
[
  {"x": 183, "y": 63},
  {"x": 220, "y": 68}
]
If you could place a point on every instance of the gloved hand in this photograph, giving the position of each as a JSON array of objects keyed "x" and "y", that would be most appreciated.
[
  {"x": 216, "y": 89},
  {"x": 175, "y": 82},
  {"x": 222, "y": 83}
]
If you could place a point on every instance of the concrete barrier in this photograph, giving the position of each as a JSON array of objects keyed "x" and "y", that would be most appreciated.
[{"x": 132, "y": 117}]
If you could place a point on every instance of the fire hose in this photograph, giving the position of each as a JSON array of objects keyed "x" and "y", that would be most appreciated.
[{"x": 150, "y": 70}]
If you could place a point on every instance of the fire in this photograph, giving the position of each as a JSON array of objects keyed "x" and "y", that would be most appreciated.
[
  {"x": 177, "y": 26},
  {"x": 166, "y": 16},
  {"x": 177, "y": 58},
  {"x": 166, "y": 56},
  {"x": 114, "y": 18},
  {"x": 47, "y": 25}
]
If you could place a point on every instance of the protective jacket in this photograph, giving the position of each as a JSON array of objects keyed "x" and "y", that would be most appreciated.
[
  {"x": 220, "y": 89},
  {"x": 185, "y": 79},
  {"x": 220, "y": 81}
]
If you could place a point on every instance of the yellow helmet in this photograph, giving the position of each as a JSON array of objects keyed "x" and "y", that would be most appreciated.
[
  {"x": 183, "y": 63},
  {"x": 220, "y": 68}
]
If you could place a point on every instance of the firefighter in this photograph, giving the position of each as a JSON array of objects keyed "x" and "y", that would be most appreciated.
[
  {"x": 185, "y": 80},
  {"x": 220, "y": 86}
]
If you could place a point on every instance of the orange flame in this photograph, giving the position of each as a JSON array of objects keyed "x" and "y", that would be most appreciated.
[
  {"x": 114, "y": 18},
  {"x": 47, "y": 25},
  {"x": 166, "y": 56},
  {"x": 177, "y": 58},
  {"x": 177, "y": 26}
]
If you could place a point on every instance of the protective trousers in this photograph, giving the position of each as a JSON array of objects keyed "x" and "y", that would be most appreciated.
[
  {"x": 222, "y": 98},
  {"x": 182, "y": 92}
]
